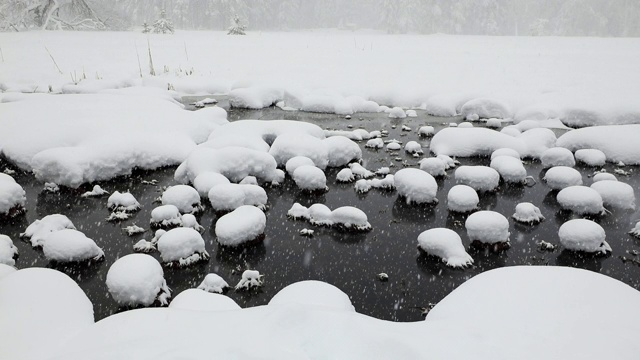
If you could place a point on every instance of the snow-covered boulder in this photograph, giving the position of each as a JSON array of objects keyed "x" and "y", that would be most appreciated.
[
  {"x": 465, "y": 125},
  {"x": 184, "y": 197},
  {"x": 448, "y": 161},
  {"x": 250, "y": 279},
  {"x": 70, "y": 246},
  {"x": 560, "y": 177},
  {"x": 122, "y": 202},
  {"x": 604, "y": 176},
  {"x": 487, "y": 227},
  {"x": 376, "y": 143},
  {"x": 12, "y": 197},
  {"x": 416, "y": 186},
  {"x": 493, "y": 123},
  {"x": 97, "y": 191},
  {"x": 581, "y": 200},
  {"x": 207, "y": 180},
  {"x": 445, "y": 244},
  {"x": 591, "y": 157},
  {"x": 228, "y": 197},
  {"x": 190, "y": 221},
  {"x": 397, "y": 113},
  {"x": 40, "y": 229},
  {"x": 426, "y": 131},
  {"x": 557, "y": 156},
  {"x": 8, "y": 251},
  {"x": 510, "y": 169},
  {"x": 617, "y": 142},
  {"x": 310, "y": 178},
  {"x": 244, "y": 224},
  {"x": 345, "y": 176},
  {"x": 249, "y": 180},
  {"x": 137, "y": 279},
  {"x": 200, "y": 301},
  {"x": 480, "y": 178},
  {"x": 297, "y": 161},
  {"x": 434, "y": 166},
  {"x": 344, "y": 218},
  {"x": 182, "y": 247},
  {"x": 462, "y": 198},
  {"x": 616, "y": 194},
  {"x": 364, "y": 185},
  {"x": 394, "y": 146},
  {"x": 313, "y": 293},
  {"x": 341, "y": 151},
  {"x": 360, "y": 171},
  {"x": 505, "y": 152},
  {"x": 6, "y": 270},
  {"x": 482, "y": 108},
  {"x": 166, "y": 216},
  {"x": 583, "y": 235},
  {"x": 527, "y": 213},
  {"x": 213, "y": 283},
  {"x": 413, "y": 147},
  {"x": 255, "y": 97},
  {"x": 287, "y": 146}
]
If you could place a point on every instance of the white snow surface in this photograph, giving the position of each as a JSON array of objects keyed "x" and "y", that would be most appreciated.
[
  {"x": 86, "y": 138},
  {"x": 213, "y": 283},
  {"x": 616, "y": 194},
  {"x": 426, "y": 131},
  {"x": 462, "y": 198},
  {"x": 70, "y": 245},
  {"x": 581, "y": 200},
  {"x": 557, "y": 156},
  {"x": 197, "y": 300},
  {"x": 313, "y": 293},
  {"x": 345, "y": 175},
  {"x": 445, "y": 244},
  {"x": 205, "y": 181},
  {"x": 416, "y": 186},
  {"x": 583, "y": 235},
  {"x": 526, "y": 212},
  {"x": 184, "y": 197},
  {"x": 479, "y": 177},
  {"x": 618, "y": 143},
  {"x": 510, "y": 169},
  {"x": 310, "y": 178},
  {"x": 12, "y": 195},
  {"x": 376, "y": 143},
  {"x": 505, "y": 152},
  {"x": 341, "y": 151},
  {"x": 413, "y": 147},
  {"x": 6, "y": 270},
  {"x": 297, "y": 161},
  {"x": 228, "y": 197},
  {"x": 137, "y": 279},
  {"x": 591, "y": 157},
  {"x": 560, "y": 177},
  {"x": 180, "y": 245},
  {"x": 37, "y": 231},
  {"x": 255, "y": 97},
  {"x": 8, "y": 251},
  {"x": 241, "y": 225},
  {"x": 487, "y": 227}
]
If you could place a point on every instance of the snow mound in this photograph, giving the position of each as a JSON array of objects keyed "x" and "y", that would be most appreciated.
[
  {"x": 557, "y": 156},
  {"x": 618, "y": 142},
  {"x": 445, "y": 244},
  {"x": 42, "y": 304},
  {"x": 527, "y": 213},
  {"x": 137, "y": 279},
  {"x": 483, "y": 108},
  {"x": 250, "y": 279},
  {"x": 510, "y": 169},
  {"x": 604, "y": 176},
  {"x": 313, "y": 293},
  {"x": 480, "y": 178},
  {"x": 376, "y": 143},
  {"x": 228, "y": 197},
  {"x": 70, "y": 245},
  {"x": 190, "y": 221},
  {"x": 207, "y": 180},
  {"x": 95, "y": 192},
  {"x": 616, "y": 194},
  {"x": 297, "y": 161},
  {"x": 12, "y": 196},
  {"x": 40, "y": 229},
  {"x": 581, "y": 200},
  {"x": 416, "y": 186},
  {"x": 182, "y": 247},
  {"x": 8, "y": 252},
  {"x": 560, "y": 177},
  {"x": 165, "y": 216},
  {"x": 583, "y": 235},
  {"x": 255, "y": 97},
  {"x": 289, "y": 145},
  {"x": 426, "y": 131},
  {"x": 341, "y": 151},
  {"x": 387, "y": 183},
  {"x": 87, "y": 138},
  {"x": 397, "y": 113},
  {"x": 505, "y": 152},
  {"x": 196, "y": 300},
  {"x": 6, "y": 270},
  {"x": 345, "y": 176},
  {"x": 488, "y": 227},
  {"x": 448, "y": 161},
  {"x": 122, "y": 202},
  {"x": 591, "y": 157},
  {"x": 360, "y": 171},
  {"x": 462, "y": 198},
  {"x": 344, "y": 218},
  {"x": 310, "y": 178},
  {"x": 355, "y": 135},
  {"x": 249, "y": 180},
  {"x": 413, "y": 147},
  {"x": 393, "y": 146},
  {"x": 635, "y": 232},
  {"x": 465, "y": 125},
  {"x": 213, "y": 283},
  {"x": 184, "y": 197},
  {"x": 244, "y": 224},
  {"x": 493, "y": 123}
]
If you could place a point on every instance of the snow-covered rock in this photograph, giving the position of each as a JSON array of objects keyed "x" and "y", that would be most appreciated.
[
  {"x": 95, "y": 192},
  {"x": 527, "y": 213},
  {"x": 583, "y": 235},
  {"x": 483, "y": 108},
  {"x": 195, "y": 300},
  {"x": 487, "y": 227},
  {"x": 462, "y": 198},
  {"x": 635, "y": 231},
  {"x": 313, "y": 293},
  {"x": 448, "y": 161},
  {"x": 426, "y": 131},
  {"x": 480, "y": 178},
  {"x": 341, "y": 151},
  {"x": 207, "y": 180},
  {"x": 615, "y": 194},
  {"x": 505, "y": 152},
  {"x": 250, "y": 279},
  {"x": 8, "y": 251},
  {"x": 376, "y": 143},
  {"x": 493, "y": 123},
  {"x": 413, "y": 147},
  {"x": 591, "y": 157},
  {"x": 604, "y": 176},
  {"x": 360, "y": 171},
  {"x": 394, "y": 146},
  {"x": 255, "y": 97},
  {"x": 182, "y": 247},
  {"x": 40, "y": 229},
  {"x": 228, "y": 197},
  {"x": 510, "y": 169},
  {"x": 345, "y": 176},
  {"x": 12, "y": 196},
  {"x": 297, "y": 161},
  {"x": 133, "y": 229},
  {"x": 345, "y": 218},
  {"x": 617, "y": 142},
  {"x": 289, "y": 145},
  {"x": 122, "y": 202},
  {"x": 364, "y": 185},
  {"x": 557, "y": 156},
  {"x": 166, "y": 216},
  {"x": 249, "y": 180},
  {"x": 144, "y": 246},
  {"x": 397, "y": 113},
  {"x": 560, "y": 177},
  {"x": 137, "y": 279},
  {"x": 190, "y": 221},
  {"x": 184, "y": 197},
  {"x": 213, "y": 283},
  {"x": 416, "y": 186},
  {"x": 434, "y": 166},
  {"x": 244, "y": 224},
  {"x": 445, "y": 244},
  {"x": 70, "y": 245},
  {"x": 310, "y": 178},
  {"x": 465, "y": 125},
  {"x": 581, "y": 200}
]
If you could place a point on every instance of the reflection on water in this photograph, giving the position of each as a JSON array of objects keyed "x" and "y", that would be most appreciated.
[{"x": 350, "y": 261}]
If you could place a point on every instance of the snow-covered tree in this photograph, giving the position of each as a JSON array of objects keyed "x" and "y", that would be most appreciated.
[
  {"x": 146, "y": 28},
  {"x": 237, "y": 28},
  {"x": 163, "y": 25}
]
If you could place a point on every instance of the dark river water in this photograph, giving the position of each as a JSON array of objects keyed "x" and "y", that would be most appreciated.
[{"x": 347, "y": 260}]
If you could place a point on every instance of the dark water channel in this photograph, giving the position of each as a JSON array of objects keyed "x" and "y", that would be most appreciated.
[{"x": 346, "y": 260}]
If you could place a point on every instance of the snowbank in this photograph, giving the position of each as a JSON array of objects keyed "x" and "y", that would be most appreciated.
[
  {"x": 137, "y": 279},
  {"x": 583, "y": 235},
  {"x": 581, "y": 200},
  {"x": 197, "y": 300},
  {"x": 244, "y": 224},
  {"x": 618, "y": 143}
]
